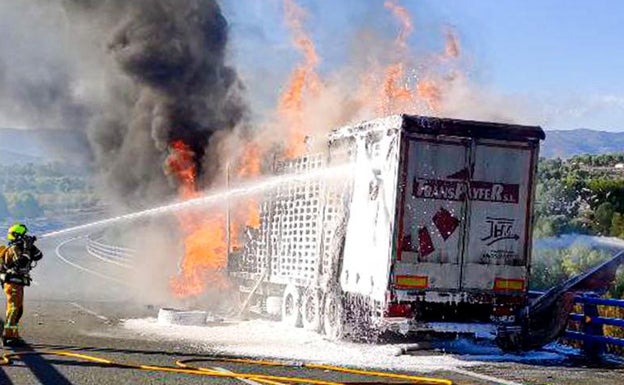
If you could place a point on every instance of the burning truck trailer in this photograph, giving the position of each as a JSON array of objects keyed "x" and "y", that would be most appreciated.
[{"x": 430, "y": 232}]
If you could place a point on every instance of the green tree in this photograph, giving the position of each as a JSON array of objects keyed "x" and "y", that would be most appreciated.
[
  {"x": 553, "y": 266},
  {"x": 607, "y": 190},
  {"x": 604, "y": 217},
  {"x": 26, "y": 206},
  {"x": 617, "y": 225}
]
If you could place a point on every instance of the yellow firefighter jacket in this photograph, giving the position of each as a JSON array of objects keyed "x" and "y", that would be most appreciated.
[{"x": 13, "y": 267}]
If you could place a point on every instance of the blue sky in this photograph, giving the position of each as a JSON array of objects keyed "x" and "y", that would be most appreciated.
[{"x": 565, "y": 57}]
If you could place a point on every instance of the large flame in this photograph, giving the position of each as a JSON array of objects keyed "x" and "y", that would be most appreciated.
[
  {"x": 246, "y": 212},
  {"x": 304, "y": 82},
  {"x": 205, "y": 243},
  {"x": 402, "y": 94},
  {"x": 205, "y": 236},
  {"x": 390, "y": 85}
]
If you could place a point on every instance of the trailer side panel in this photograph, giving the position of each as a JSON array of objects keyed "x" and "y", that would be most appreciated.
[{"x": 368, "y": 244}]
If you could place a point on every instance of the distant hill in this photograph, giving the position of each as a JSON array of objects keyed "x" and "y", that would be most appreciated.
[
  {"x": 10, "y": 157},
  {"x": 40, "y": 146},
  {"x": 566, "y": 143}
]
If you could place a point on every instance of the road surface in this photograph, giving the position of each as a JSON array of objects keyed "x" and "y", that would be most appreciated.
[{"x": 79, "y": 305}]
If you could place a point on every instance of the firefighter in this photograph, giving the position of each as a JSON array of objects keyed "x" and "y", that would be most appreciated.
[{"x": 16, "y": 261}]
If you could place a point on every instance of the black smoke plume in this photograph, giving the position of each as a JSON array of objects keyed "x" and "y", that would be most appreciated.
[
  {"x": 131, "y": 75},
  {"x": 173, "y": 52}
]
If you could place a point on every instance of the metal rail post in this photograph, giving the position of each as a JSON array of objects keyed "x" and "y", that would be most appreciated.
[{"x": 592, "y": 348}]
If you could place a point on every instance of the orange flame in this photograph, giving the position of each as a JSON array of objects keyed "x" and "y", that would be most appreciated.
[
  {"x": 405, "y": 20},
  {"x": 397, "y": 94},
  {"x": 428, "y": 90},
  {"x": 180, "y": 162},
  {"x": 304, "y": 81},
  {"x": 205, "y": 254},
  {"x": 383, "y": 89},
  {"x": 249, "y": 167}
]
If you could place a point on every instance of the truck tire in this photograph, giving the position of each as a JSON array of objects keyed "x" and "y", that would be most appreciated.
[
  {"x": 291, "y": 306},
  {"x": 359, "y": 314},
  {"x": 334, "y": 316},
  {"x": 311, "y": 309}
]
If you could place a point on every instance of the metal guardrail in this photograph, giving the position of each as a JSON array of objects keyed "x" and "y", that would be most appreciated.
[
  {"x": 591, "y": 333},
  {"x": 117, "y": 255}
]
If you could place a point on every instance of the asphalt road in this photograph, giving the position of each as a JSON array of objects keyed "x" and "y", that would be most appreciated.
[{"x": 71, "y": 309}]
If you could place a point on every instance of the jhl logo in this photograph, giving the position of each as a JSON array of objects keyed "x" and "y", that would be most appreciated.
[{"x": 500, "y": 228}]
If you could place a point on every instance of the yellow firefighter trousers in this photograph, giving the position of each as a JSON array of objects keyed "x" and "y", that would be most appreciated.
[{"x": 14, "y": 309}]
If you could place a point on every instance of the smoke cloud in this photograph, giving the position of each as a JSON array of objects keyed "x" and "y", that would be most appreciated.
[
  {"x": 133, "y": 75},
  {"x": 35, "y": 77},
  {"x": 180, "y": 89}
]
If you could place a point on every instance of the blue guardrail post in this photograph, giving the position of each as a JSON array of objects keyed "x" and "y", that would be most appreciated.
[{"x": 592, "y": 348}]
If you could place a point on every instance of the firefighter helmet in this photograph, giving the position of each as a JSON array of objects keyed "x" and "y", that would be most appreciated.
[{"x": 16, "y": 231}]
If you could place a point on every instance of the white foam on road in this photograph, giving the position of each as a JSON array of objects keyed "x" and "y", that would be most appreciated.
[
  {"x": 266, "y": 339},
  {"x": 483, "y": 352}
]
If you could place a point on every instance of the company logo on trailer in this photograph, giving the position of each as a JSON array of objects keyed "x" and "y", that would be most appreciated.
[
  {"x": 458, "y": 187},
  {"x": 499, "y": 229}
]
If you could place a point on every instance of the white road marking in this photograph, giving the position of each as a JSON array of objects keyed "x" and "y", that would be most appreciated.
[
  {"x": 89, "y": 311},
  {"x": 77, "y": 266},
  {"x": 485, "y": 377},
  {"x": 223, "y": 370}
]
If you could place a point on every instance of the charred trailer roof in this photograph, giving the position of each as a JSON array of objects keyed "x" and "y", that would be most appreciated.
[
  {"x": 471, "y": 129},
  {"x": 444, "y": 126}
]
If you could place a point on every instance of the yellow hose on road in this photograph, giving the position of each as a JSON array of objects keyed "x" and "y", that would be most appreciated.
[
  {"x": 183, "y": 368},
  {"x": 395, "y": 376}
]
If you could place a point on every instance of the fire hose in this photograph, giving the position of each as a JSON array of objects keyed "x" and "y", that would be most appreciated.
[{"x": 182, "y": 367}]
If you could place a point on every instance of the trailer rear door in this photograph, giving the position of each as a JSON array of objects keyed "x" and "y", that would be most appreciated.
[
  {"x": 499, "y": 215},
  {"x": 464, "y": 214},
  {"x": 432, "y": 213}
]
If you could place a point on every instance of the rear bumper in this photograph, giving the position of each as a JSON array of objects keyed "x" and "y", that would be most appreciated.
[
  {"x": 409, "y": 325},
  {"x": 471, "y": 297}
]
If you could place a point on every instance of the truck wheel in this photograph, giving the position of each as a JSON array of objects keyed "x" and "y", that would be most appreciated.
[
  {"x": 311, "y": 309},
  {"x": 359, "y": 313},
  {"x": 291, "y": 306},
  {"x": 333, "y": 317}
]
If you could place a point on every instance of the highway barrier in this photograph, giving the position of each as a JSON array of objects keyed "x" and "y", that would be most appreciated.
[
  {"x": 588, "y": 326},
  {"x": 121, "y": 256}
]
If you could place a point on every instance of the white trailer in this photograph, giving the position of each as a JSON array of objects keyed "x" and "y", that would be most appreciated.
[{"x": 432, "y": 230}]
